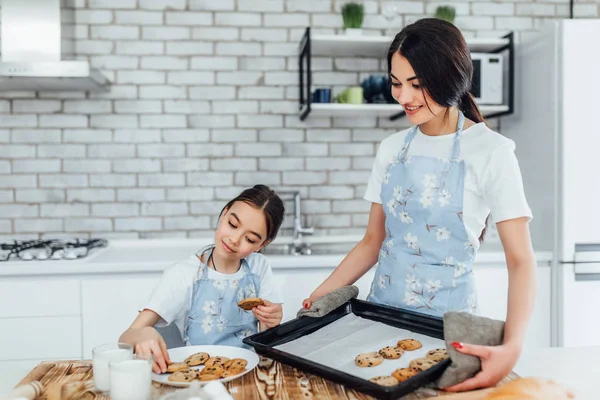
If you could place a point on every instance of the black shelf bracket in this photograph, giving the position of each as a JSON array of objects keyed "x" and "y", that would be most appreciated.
[
  {"x": 510, "y": 48},
  {"x": 304, "y": 76}
]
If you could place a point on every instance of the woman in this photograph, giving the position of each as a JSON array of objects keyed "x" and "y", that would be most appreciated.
[{"x": 432, "y": 189}]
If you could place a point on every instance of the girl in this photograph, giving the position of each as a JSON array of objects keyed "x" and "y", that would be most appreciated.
[
  {"x": 200, "y": 294},
  {"x": 432, "y": 189}
]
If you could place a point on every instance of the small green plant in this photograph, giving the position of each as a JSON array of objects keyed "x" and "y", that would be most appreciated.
[
  {"x": 353, "y": 14},
  {"x": 447, "y": 13}
]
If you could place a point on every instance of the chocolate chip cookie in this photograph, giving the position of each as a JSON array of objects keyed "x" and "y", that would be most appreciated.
[
  {"x": 178, "y": 366},
  {"x": 197, "y": 359},
  {"x": 216, "y": 361},
  {"x": 368, "y": 360},
  {"x": 385, "y": 380},
  {"x": 183, "y": 376},
  {"x": 409, "y": 344},
  {"x": 421, "y": 363},
  {"x": 437, "y": 355},
  {"x": 404, "y": 374},
  {"x": 391, "y": 352},
  {"x": 250, "y": 303},
  {"x": 216, "y": 370},
  {"x": 235, "y": 364}
]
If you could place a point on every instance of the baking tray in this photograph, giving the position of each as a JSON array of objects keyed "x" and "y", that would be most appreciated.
[{"x": 263, "y": 343}]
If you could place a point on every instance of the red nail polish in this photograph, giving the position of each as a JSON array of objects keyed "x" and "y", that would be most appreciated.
[
  {"x": 457, "y": 345},
  {"x": 306, "y": 305}
]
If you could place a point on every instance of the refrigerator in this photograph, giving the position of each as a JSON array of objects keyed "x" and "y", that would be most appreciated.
[{"x": 556, "y": 127}]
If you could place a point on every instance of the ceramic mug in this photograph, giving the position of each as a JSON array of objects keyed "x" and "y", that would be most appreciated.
[
  {"x": 321, "y": 95},
  {"x": 352, "y": 95}
]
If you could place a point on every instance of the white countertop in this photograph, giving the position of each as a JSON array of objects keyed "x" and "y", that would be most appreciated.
[
  {"x": 154, "y": 255},
  {"x": 574, "y": 367}
]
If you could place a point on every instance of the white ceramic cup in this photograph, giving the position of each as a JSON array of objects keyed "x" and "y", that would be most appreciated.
[
  {"x": 131, "y": 379},
  {"x": 101, "y": 357}
]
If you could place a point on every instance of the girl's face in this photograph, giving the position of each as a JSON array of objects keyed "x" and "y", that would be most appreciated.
[
  {"x": 417, "y": 104},
  {"x": 242, "y": 230}
]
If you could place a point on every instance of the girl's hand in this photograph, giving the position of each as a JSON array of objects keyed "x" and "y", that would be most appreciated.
[
  {"x": 269, "y": 315},
  {"x": 151, "y": 342},
  {"x": 496, "y": 363}
]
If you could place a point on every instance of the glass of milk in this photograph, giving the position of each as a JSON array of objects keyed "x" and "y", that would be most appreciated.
[
  {"x": 101, "y": 357},
  {"x": 131, "y": 379}
]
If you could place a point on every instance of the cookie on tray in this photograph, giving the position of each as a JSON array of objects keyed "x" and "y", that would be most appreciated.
[
  {"x": 437, "y": 355},
  {"x": 384, "y": 380},
  {"x": 391, "y": 352},
  {"x": 409, "y": 344},
  {"x": 177, "y": 366},
  {"x": 422, "y": 363},
  {"x": 368, "y": 360},
  {"x": 197, "y": 359},
  {"x": 404, "y": 374},
  {"x": 251, "y": 302},
  {"x": 216, "y": 361},
  {"x": 183, "y": 376}
]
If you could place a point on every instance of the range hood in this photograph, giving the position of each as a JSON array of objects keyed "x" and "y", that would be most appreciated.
[{"x": 38, "y": 45}]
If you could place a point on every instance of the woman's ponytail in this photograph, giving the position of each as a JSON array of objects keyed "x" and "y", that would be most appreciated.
[{"x": 468, "y": 106}]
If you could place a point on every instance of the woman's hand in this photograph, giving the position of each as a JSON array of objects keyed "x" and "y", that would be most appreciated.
[
  {"x": 151, "y": 342},
  {"x": 496, "y": 363},
  {"x": 269, "y": 314}
]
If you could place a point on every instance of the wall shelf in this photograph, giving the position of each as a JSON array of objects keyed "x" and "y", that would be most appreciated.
[
  {"x": 378, "y": 110},
  {"x": 377, "y": 47}
]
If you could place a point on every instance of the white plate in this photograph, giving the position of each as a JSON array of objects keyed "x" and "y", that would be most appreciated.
[{"x": 179, "y": 354}]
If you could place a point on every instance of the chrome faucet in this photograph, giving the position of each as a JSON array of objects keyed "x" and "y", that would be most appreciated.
[{"x": 299, "y": 230}]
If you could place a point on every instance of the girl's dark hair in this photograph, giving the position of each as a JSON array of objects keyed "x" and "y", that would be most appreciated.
[
  {"x": 262, "y": 197},
  {"x": 440, "y": 57}
]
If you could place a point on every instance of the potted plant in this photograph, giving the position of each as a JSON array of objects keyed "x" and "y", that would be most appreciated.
[
  {"x": 447, "y": 13},
  {"x": 353, "y": 14}
]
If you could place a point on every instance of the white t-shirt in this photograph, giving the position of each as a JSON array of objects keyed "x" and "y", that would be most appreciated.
[
  {"x": 493, "y": 180},
  {"x": 172, "y": 297}
]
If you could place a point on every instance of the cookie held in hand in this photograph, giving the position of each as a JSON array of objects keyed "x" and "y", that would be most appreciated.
[{"x": 251, "y": 302}]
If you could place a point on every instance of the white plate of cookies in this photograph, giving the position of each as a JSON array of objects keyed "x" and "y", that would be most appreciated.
[{"x": 204, "y": 364}]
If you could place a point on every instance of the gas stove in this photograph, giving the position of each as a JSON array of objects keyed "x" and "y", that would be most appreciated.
[{"x": 53, "y": 249}]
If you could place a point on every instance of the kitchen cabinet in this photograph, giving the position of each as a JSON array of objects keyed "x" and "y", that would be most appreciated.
[
  {"x": 66, "y": 316},
  {"x": 110, "y": 303},
  {"x": 492, "y": 288},
  {"x": 296, "y": 284},
  {"x": 580, "y": 322}
]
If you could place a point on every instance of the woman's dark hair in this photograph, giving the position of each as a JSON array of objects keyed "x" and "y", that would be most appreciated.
[
  {"x": 262, "y": 197},
  {"x": 440, "y": 57}
]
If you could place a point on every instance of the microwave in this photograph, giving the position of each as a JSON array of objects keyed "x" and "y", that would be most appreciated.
[{"x": 487, "y": 83}]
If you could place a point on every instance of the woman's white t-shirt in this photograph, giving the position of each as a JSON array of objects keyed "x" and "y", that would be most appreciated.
[
  {"x": 493, "y": 180},
  {"x": 172, "y": 296}
]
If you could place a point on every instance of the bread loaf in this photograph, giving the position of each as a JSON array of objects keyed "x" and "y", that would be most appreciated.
[{"x": 531, "y": 389}]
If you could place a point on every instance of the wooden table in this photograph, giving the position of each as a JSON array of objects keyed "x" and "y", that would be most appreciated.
[{"x": 270, "y": 380}]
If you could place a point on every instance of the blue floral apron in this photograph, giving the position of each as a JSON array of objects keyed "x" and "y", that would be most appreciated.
[
  {"x": 426, "y": 258},
  {"x": 214, "y": 316}
]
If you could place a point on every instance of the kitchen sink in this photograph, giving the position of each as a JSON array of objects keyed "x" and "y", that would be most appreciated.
[{"x": 308, "y": 249}]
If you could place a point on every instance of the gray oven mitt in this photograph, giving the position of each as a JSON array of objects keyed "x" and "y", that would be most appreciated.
[
  {"x": 467, "y": 328},
  {"x": 324, "y": 305}
]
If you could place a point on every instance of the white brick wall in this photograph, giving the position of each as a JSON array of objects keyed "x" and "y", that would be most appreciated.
[{"x": 203, "y": 104}]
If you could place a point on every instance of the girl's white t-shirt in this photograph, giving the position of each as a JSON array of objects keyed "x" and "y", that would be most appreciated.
[
  {"x": 172, "y": 296},
  {"x": 493, "y": 181}
]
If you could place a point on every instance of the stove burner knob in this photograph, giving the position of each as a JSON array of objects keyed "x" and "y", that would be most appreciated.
[
  {"x": 71, "y": 255},
  {"x": 26, "y": 256},
  {"x": 42, "y": 256},
  {"x": 58, "y": 255}
]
